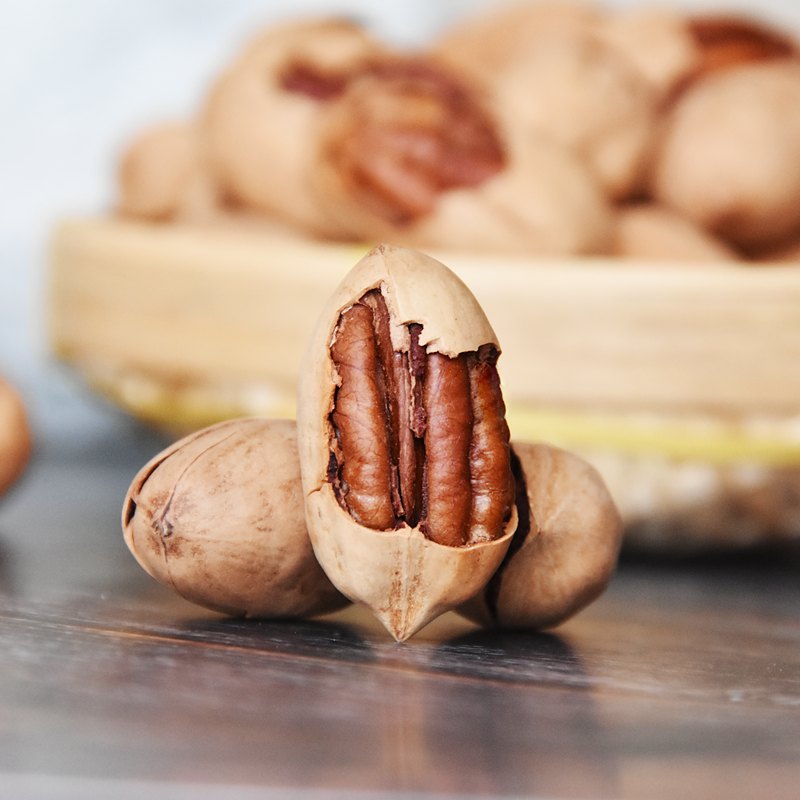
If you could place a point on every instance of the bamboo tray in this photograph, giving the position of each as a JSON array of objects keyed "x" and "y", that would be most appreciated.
[{"x": 680, "y": 382}]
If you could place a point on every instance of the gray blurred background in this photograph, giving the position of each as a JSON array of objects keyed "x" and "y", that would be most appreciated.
[{"x": 77, "y": 79}]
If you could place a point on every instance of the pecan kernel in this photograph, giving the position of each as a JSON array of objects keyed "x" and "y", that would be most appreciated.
[
  {"x": 417, "y": 439},
  {"x": 406, "y": 131},
  {"x": 307, "y": 79},
  {"x": 727, "y": 41}
]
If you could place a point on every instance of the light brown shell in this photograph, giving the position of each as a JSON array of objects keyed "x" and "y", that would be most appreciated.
[
  {"x": 570, "y": 553},
  {"x": 486, "y": 42},
  {"x": 564, "y": 71},
  {"x": 651, "y": 232},
  {"x": 729, "y": 158},
  {"x": 406, "y": 579},
  {"x": 656, "y": 40},
  {"x": 260, "y": 136},
  {"x": 581, "y": 92},
  {"x": 162, "y": 175},
  {"x": 218, "y": 517},
  {"x": 15, "y": 436},
  {"x": 546, "y": 202}
]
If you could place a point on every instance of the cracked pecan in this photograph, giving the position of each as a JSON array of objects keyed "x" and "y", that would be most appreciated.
[
  {"x": 402, "y": 132},
  {"x": 404, "y": 447}
]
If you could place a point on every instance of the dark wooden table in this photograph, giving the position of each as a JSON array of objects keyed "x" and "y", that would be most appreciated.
[{"x": 683, "y": 681}]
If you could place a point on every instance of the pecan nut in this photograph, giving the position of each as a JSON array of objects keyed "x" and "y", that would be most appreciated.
[
  {"x": 217, "y": 517},
  {"x": 564, "y": 550},
  {"x": 404, "y": 447},
  {"x": 266, "y": 108},
  {"x": 404, "y": 131}
]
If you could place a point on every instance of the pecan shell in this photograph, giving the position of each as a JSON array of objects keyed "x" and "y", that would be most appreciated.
[
  {"x": 217, "y": 517},
  {"x": 564, "y": 550},
  {"x": 404, "y": 448}
]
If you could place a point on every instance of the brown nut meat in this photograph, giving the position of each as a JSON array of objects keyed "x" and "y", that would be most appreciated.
[
  {"x": 404, "y": 449},
  {"x": 218, "y": 517},
  {"x": 404, "y": 131},
  {"x": 15, "y": 436},
  {"x": 565, "y": 549},
  {"x": 726, "y": 40}
]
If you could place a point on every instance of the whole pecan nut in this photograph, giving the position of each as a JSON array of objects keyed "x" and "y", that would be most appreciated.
[
  {"x": 218, "y": 517},
  {"x": 564, "y": 550}
]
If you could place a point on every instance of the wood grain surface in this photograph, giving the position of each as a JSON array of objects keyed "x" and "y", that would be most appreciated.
[{"x": 682, "y": 681}]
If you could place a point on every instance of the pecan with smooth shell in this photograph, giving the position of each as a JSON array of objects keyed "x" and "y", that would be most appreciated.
[
  {"x": 404, "y": 449},
  {"x": 564, "y": 550},
  {"x": 218, "y": 518}
]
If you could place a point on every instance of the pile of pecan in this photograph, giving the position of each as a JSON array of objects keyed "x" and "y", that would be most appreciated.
[{"x": 543, "y": 128}]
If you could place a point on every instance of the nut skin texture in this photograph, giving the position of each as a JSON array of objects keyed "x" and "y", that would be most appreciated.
[
  {"x": 218, "y": 517},
  {"x": 386, "y": 560},
  {"x": 15, "y": 436},
  {"x": 568, "y": 555}
]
